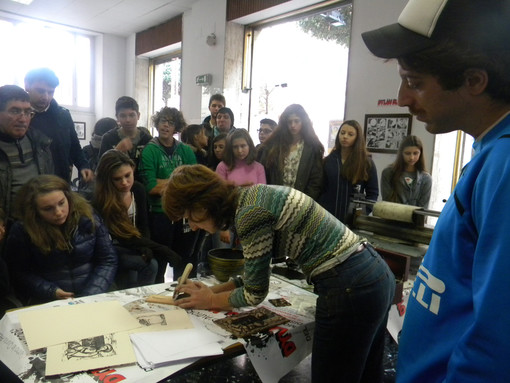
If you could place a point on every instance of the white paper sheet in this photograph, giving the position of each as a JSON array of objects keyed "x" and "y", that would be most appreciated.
[
  {"x": 57, "y": 325},
  {"x": 162, "y": 347}
]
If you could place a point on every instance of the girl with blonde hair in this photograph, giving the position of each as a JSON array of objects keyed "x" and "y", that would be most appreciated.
[{"x": 59, "y": 248}]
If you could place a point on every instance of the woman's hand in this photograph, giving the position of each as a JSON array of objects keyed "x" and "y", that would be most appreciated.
[
  {"x": 61, "y": 294},
  {"x": 2, "y": 232},
  {"x": 200, "y": 296}
]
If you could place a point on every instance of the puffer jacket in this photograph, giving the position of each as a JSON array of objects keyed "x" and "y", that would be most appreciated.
[{"x": 89, "y": 268}]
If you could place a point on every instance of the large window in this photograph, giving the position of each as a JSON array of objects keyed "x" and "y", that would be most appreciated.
[
  {"x": 452, "y": 151},
  {"x": 30, "y": 44},
  {"x": 303, "y": 60},
  {"x": 165, "y": 82}
]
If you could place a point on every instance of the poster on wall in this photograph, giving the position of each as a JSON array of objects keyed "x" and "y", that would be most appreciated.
[
  {"x": 80, "y": 130},
  {"x": 384, "y": 132},
  {"x": 334, "y": 126}
]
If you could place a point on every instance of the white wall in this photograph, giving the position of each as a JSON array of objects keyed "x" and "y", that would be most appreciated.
[
  {"x": 371, "y": 79},
  {"x": 110, "y": 74},
  {"x": 206, "y": 17}
]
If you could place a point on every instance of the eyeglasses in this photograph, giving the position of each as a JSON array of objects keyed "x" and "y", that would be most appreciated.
[
  {"x": 265, "y": 131},
  {"x": 165, "y": 121},
  {"x": 16, "y": 113}
]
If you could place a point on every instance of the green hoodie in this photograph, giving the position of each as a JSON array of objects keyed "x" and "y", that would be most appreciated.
[{"x": 156, "y": 164}]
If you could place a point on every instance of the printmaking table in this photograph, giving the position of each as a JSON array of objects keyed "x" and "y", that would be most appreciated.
[{"x": 272, "y": 353}]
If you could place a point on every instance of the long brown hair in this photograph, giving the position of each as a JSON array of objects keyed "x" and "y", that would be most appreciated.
[
  {"x": 229, "y": 157},
  {"x": 399, "y": 166},
  {"x": 193, "y": 188},
  {"x": 43, "y": 235},
  {"x": 357, "y": 165},
  {"x": 108, "y": 200},
  {"x": 279, "y": 142}
]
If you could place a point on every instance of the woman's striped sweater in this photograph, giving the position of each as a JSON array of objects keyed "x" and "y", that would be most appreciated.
[{"x": 278, "y": 221}]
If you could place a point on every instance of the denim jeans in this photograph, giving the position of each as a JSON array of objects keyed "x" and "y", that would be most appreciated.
[
  {"x": 350, "y": 319},
  {"x": 133, "y": 271}
]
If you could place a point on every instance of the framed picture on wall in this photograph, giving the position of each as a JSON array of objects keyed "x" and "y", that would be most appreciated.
[
  {"x": 384, "y": 132},
  {"x": 80, "y": 130}
]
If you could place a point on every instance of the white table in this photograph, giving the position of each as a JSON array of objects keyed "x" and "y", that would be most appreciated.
[{"x": 272, "y": 354}]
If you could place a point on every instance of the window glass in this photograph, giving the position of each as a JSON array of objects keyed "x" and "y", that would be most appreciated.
[
  {"x": 284, "y": 70},
  {"x": 33, "y": 44},
  {"x": 166, "y": 83}
]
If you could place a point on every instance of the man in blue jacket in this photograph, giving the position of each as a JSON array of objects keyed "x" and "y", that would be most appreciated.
[{"x": 454, "y": 59}]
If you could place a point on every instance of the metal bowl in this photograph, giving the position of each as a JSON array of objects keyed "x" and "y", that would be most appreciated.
[{"x": 226, "y": 263}]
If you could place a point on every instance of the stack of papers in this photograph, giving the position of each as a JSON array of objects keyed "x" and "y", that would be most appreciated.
[{"x": 156, "y": 349}]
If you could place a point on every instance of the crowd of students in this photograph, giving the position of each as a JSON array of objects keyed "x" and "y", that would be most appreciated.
[
  {"x": 455, "y": 326},
  {"x": 123, "y": 227},
  {"x": 132, "y": 170},
  {"x": 118, "y": 230}
]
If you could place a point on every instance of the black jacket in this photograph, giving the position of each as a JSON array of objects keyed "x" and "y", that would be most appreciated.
[
  {"x": 338, "y": 191},
  {"x": 58, "y": 125}
]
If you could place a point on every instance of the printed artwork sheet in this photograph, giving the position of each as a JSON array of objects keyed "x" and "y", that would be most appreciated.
[
  {"x": 90, "y": 353},
  {"x": 57, "y": 325},
  {"x": 163, "y": 320}
]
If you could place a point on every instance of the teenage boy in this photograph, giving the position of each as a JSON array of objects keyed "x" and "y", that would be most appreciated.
[
  {"x": 55, "y": 122},
  {"x": 266, "y": 129},
  {"x": 216, "y": 102},
  {"x": 128, "y": 137},
  {"x": 453, "y": 58}
]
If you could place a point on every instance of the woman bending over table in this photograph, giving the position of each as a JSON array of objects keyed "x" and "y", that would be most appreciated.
[{"x": 355, "y": 287}]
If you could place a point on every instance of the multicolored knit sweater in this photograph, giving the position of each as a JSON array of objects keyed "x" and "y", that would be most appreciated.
[{"x": 277, "y": 221}]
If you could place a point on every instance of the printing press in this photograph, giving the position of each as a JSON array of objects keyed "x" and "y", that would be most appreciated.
[{"x": 398, "y": 232}]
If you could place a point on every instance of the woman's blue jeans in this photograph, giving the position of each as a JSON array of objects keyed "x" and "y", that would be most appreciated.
[{"x": 350, "y": 320}]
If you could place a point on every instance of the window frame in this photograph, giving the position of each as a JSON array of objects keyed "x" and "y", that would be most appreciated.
[{"x": 19, "y": 80}]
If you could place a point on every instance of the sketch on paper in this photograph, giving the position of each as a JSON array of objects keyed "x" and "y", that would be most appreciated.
[
  {"x": 90, "y": 353},
  {"x": 96, "y": 347},
  {"x": 152, "y": 319}
]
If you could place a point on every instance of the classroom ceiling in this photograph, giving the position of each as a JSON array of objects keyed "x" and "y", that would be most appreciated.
[{"x": 118, "y": 17}]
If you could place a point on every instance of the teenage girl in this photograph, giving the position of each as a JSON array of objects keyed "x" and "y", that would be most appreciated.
[
  {"x": 122, "y": 203},
  {"x": 239, "y": 165},
  {"x": 216, "y": 150},
  {"x": 194, "y": 135},
  {"x": 348, "y": 170},
  {"x": 59, "y": 248},
  {"x": 292, "y": 155},
  {"x": 406, "y": 181}
]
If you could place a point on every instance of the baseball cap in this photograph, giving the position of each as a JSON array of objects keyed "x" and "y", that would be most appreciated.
[{"x": 478, "y": 24}]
